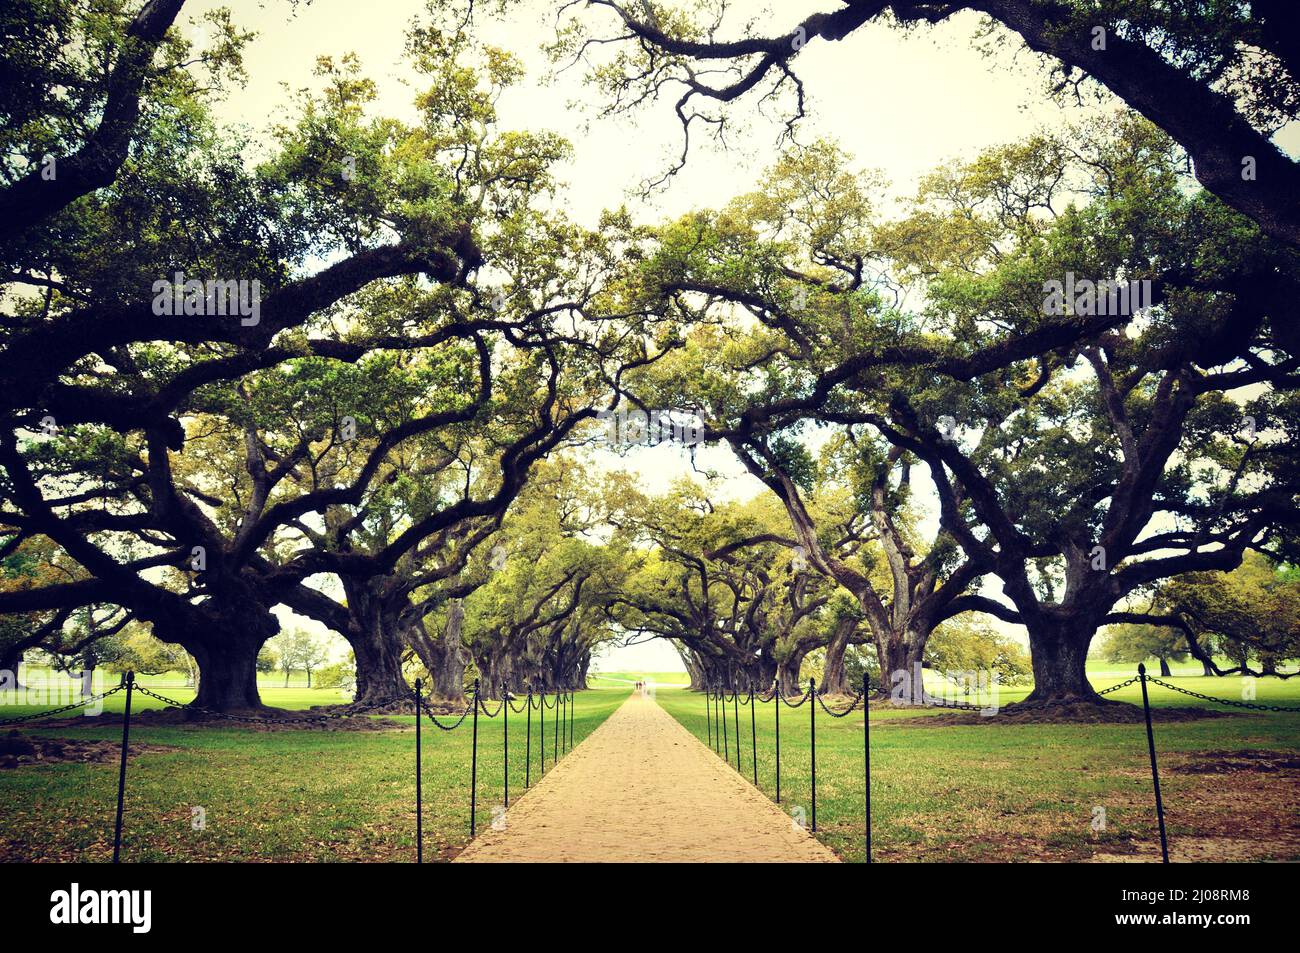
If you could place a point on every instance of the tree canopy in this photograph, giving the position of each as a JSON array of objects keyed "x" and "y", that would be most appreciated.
[{"x": 362, "y": 367}]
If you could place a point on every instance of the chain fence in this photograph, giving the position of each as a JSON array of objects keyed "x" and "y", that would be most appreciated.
[
  {"x": 843, "y": 712},
  {"x": 562, "y": 734},
  {"x": 720, "y": 734},
  {"x": 317, "y": 717},
  {"x": 1218, "y": 701},
  {"x": 87, "y": 700}
]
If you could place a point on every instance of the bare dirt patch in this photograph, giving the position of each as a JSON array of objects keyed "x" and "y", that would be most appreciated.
[
  {"x": 1193, "y": 850},
  {"x": 1114, "y": 713},
  {"x": 992, "y": 848},
  {"x": 1246, "y": 812},
  {"x": 1250, "y": 760},
  {"x": 19, "y": 751}
]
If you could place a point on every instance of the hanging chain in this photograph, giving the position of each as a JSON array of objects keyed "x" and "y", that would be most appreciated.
[
  {"x": 1221, "y": 701},
  {"x": 806, "y": 695},
  {"x": 843, "y": 712},
  {"x": 58, "y": 711},
  {"x": 434, "y": 718},
  {"x": 263, "y": 720}
]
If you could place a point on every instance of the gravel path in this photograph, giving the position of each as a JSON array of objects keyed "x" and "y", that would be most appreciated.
[{"x": 642, "y": 788}]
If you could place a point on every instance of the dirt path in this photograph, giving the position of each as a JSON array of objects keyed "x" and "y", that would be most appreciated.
[{"x": 642, "y": 788}]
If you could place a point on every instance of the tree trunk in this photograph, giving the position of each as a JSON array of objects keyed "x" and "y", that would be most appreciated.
[
  {"x": 489, "y": 665},
  {"x": 900, "y": 653},
  {"x": 1059, "y": 655},
  {"x": 834, "y": 679},
  {"x": 787, "y": 672},
  {"x": 227, "y": 671},
  {"x": 374, "y": 628},
  {"x": 225, "y": 643},
  {"x": 761, "y": 674},
  {"x": 1164, "y": 668},
  {"x": 546, "y": 680},
  {"x": 444, "y": 658},
  {"x": 693, "y": 667},
  {"x": 1206, "y": 670},
  {"x": 10, "y": 662},
  {"x": 449, "y": 672},
  {"x": 710, "y": 674},
  {"x": 377, "y": 648},
  {"x": 900, "y": 658}
]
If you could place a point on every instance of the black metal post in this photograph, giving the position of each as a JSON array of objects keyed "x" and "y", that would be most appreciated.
[
  {"x": 121, "y": 771},
  {"x": 555, "y": 740},
  {"x": 505, "y": 728},
  {"x": 866, "y": 756},
  {"x": 528, "y": 750},
  {"x": 753, "y": 734},
  {"x": 776, "y": 699},
  {"x": 419, "y": 793},
  {"x": 573, "y": 699},
  {"x": 726, "y": 739},
  {"x": 708, "y": 713},
  {"x": 812, "y": 735},
  {"x": 473, "y": 772},
  {"x": 717, "y": 732},
  {"x": 1155, "y": 772},
  {"x": 735, "y": 702},
  {"x": 541, "y": 748}
]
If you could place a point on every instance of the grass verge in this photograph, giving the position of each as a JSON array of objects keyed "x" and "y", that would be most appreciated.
[
  {"x": 290, "y": 795},
  {"x": 1003, "y": 792}
]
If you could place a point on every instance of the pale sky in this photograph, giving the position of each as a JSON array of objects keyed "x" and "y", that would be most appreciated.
[{"x": 901, "y": 102}]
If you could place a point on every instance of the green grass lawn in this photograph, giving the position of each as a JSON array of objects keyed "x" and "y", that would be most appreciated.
[
  {"x": 659, "y": 679},
  {"x": 1019, "y": 792},
  {"x": 290, "y": 795}
]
